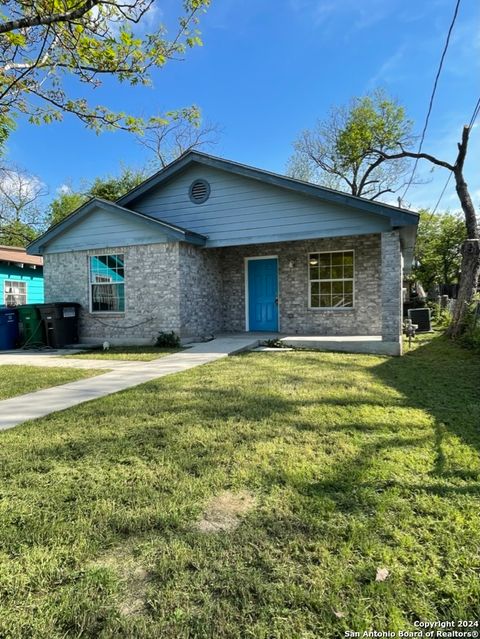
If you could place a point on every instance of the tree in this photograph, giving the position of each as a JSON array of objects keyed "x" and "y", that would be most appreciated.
[
  {"x": 112, "y": 188},
  {"x": 167, "y": 141},
  {"x": 470, "y": 266},
  {"x": 337, "y": 153},
  {"x": 17, "y": 233},
  {"x": 108, "y": 188},
  {"x": 65, "y": 203},
  {"x": 184, "y": 132},
  {"x": 438, "y": 248},
  {"x": 44, "y": 44},
  {"x": 21, "y": 210}
]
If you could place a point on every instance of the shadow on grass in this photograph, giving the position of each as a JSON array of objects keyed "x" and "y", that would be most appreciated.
[
  {"x": 438, "y": 378},
  {"x": 340, "y": 410},
  {"x": 341, "y": 452},
  {"x": 443, "y": 379}
]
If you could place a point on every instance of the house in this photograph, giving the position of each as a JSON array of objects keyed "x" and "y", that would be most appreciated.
[
  {"x": 208, "y": 245},
  {"x": 21, "y": 277}
]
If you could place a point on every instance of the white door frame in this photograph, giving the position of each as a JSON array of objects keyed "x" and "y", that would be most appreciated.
[{"x": 247, "y": 301}]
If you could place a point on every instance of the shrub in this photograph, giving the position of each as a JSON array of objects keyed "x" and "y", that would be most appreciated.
[
  {"x": 168, "y": 340},
  {"x": 443, "y": 318},
  {"x": 471, "y": 335},
  {"x": 274, "y": 343}
]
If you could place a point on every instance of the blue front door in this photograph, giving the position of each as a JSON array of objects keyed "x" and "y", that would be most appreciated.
[{"x": 263, "y": 295}]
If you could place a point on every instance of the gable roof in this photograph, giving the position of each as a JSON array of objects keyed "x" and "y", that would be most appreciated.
[
  {"x": 18, "y": 255},
  {"x": 171, "y": 230},
  {"x": 398, "y": 216}
]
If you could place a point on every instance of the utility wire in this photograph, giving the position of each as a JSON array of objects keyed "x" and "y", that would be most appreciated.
[
  {"x": 430, "y": 105},
  {"x": 475, "y": 113},
  {"x": 441, "y": 195}
]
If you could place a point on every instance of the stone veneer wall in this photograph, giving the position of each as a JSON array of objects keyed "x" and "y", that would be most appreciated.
[
  {"x": 295, "y": 316},
  {"x": 392, "y": 281},
  {"x": 195, "y": 291},
  {"x": 152, "y": 291},
  {"x": 201, "y": 292}
]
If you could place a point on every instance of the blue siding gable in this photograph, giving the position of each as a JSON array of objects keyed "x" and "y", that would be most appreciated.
[
  {"x": 245, "y": 206},
  {"x": 104, "y": 229},
  {"x": 241, "y": 210},
  {"x": 32, "y": 277},
  {"x": 102, "y": 224}
]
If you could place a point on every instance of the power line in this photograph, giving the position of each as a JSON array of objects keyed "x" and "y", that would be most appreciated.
[
  {"x": 441, "y": 195},
  {"x": 475, "y": 113},
  {"x": 430, "y": 105}
]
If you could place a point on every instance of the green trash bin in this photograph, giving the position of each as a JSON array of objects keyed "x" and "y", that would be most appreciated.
[{"x": 32, "y": 330}]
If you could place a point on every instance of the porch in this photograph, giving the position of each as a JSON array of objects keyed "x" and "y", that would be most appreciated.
[{"x": 367, "y": 344}]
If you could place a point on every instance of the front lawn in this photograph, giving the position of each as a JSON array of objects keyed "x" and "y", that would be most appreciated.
[
  {"x": 254, "y": 497},
  {"x": 18, "y": 380},
  {"x": 133, "y": 353}
]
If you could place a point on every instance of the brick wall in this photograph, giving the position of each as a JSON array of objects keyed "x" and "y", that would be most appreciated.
[
  {"x": 194, "y": 291},
  {"x": 152, "y": 291},
  {"x": 295, "y": 316},
  {"x": 201, "y": 292},
  {"x": 391, "y": 286}
]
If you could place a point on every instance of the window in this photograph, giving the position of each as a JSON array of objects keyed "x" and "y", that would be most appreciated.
[
  {"x": 107, "y": 277},
  {"x": 331, "y": 279},
  {"x": 14, "y": 292}
]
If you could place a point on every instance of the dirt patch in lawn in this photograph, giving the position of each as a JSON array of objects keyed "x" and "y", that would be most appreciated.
[
  {"x": 225, "y": 511},
  {"x": 134, "y": 578}
]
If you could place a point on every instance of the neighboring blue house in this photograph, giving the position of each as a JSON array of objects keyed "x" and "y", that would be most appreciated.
[
  {"x": 208, "y": 245},
  {"x": 21, "y": 277}
]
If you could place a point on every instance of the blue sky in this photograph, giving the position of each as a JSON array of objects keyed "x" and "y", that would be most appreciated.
[{"x": 270, "y": 68}]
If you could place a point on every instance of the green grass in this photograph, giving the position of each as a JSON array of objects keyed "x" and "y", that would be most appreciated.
[
  {"x": 355, "y": 463},
  {"x": 134, "y": 353},
  {"x": 18, "y": 380}
]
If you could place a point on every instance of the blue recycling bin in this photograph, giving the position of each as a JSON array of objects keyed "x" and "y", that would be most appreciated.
[{"x": 8, "y": 329}]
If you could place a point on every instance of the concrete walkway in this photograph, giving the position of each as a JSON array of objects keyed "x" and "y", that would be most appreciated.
[
  {"x": 121, "y": 375},
  {"x": 57, "y": 359}
]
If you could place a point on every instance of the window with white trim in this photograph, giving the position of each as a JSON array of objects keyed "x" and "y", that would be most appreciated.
[
  {"x": 330, "y": 278},
  {"x": 107, "y": 283},
  {"x": 14, "y": 292}
]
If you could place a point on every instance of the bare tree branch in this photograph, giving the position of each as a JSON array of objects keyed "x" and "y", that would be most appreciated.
[
  {"x": 470, "y": 267},
  {"x": 170, "y": 140},
  {"x": 21, "y": 206},
  {"x": 411, "y": 154},
  {"x": 339, "y": 149}
]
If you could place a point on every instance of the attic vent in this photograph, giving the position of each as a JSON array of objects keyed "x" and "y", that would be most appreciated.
[{"x": 199, "y": 191}]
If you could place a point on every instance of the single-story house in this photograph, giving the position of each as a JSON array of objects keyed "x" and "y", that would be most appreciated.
[
  {"x": 208, "y": 245},
  {"x": 21, "y": 277}
]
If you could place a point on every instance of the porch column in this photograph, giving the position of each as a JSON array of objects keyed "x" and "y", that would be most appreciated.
[{"x": 392, "y": 281}]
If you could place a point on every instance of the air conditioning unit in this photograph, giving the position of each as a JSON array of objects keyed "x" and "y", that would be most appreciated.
[{"x": 420, "y": 317}]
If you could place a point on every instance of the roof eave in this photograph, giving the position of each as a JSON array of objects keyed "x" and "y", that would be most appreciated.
[
  {"x": 21, "y": 264},
  {"x": 37, "y": 246},
  {"x": 398, "y": 216}
]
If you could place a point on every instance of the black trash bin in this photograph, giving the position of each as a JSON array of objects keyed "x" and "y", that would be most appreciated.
[{"x": 61, "y": 323}]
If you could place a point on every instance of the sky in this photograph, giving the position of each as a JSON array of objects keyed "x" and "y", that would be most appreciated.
[{"x": 269, "y": 69}]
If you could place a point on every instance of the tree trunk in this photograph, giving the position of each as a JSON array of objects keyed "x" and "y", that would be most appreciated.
[
  {"x": 471, "y": 247},
  {"x": 470, "y": 269},
  {"x": 470, "y": 272},
  {"x": 466, "y": 202}
]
